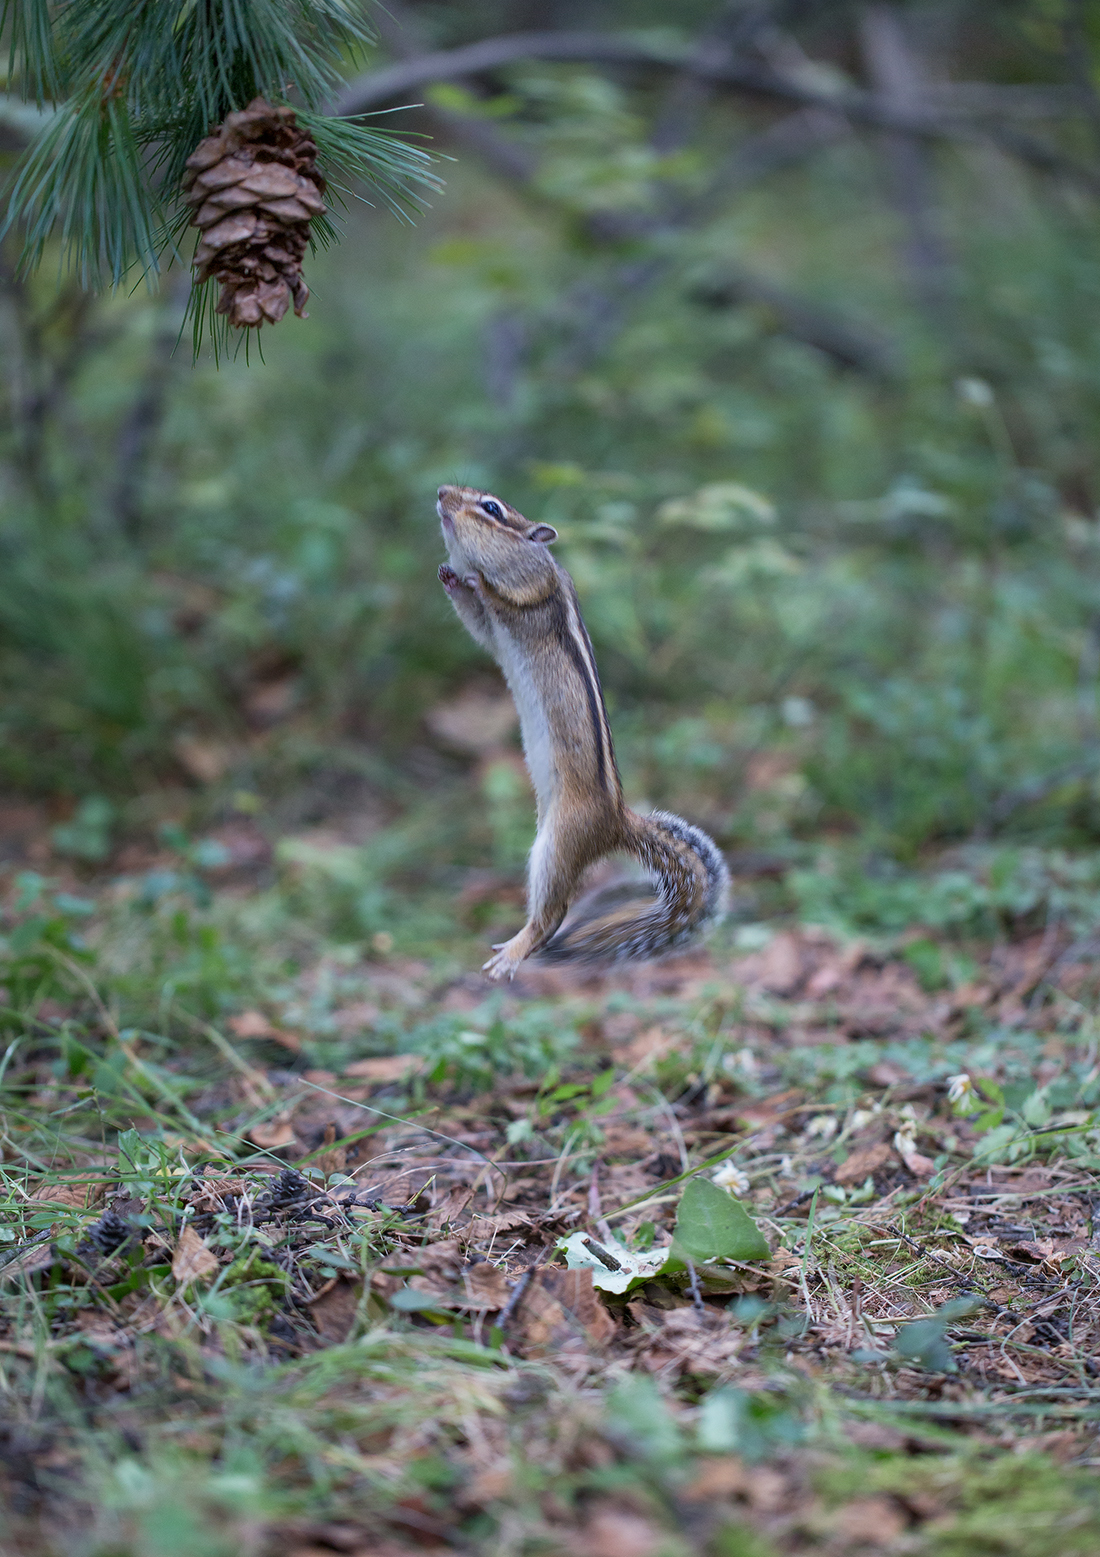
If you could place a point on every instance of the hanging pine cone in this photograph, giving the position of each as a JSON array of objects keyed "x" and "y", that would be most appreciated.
[{"x": 255, "y": 187}]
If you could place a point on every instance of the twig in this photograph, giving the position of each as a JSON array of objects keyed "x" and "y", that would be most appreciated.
[{"x": 378, "y": 87}]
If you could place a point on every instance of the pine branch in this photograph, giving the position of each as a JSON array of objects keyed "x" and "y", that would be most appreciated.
[{"x": 137, "y": 84}]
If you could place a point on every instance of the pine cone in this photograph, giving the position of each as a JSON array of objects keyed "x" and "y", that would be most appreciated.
[{"x": 255, "y": 187}]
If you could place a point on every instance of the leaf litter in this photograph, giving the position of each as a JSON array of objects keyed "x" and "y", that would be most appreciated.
[{"x": 782, "y": 1247}]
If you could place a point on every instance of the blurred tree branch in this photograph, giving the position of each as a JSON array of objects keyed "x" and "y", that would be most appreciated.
[
  {"x": 899, "y": 79},
  {"x": 951, "y": 113}
]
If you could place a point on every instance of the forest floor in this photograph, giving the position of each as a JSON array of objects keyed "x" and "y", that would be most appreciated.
[{"x": 283, "y": 1269}]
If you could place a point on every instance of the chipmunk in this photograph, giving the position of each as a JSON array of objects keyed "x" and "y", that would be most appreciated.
[{"x": 517, "y": 602}]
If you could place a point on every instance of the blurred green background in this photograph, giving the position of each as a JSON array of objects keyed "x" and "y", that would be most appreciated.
[{"x": 812, "y": 400}]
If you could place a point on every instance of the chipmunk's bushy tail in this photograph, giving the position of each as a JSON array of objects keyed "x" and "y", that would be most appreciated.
[{"x": 689, "y": 890}]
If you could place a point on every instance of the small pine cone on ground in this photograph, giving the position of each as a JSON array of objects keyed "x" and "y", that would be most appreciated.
[{"x": 254, "y": 187}]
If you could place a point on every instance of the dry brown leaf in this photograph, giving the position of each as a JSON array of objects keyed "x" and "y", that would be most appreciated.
[
  {"x": 273, "y": 1134},
  {"x": 646, "y": 1048},
  {"x": 919, "y": 1166},
  {"x": 722, "y": 1476},
  {"x": 766, "y": 1110},
  {"x": 38, "y": 1257},
  {"x": 485, "y": 1228},
  {"x": 386, "y": 1067},
  {"x": 780, "y": 964},
  {"x": 486, "y": 1286},
  {"x": 204, "y": 760},
  {"x": 863, "y": 1164},
  {"x": 871, "y": 1521},
  {"x": 82, "y": 1195},
  {"x": 450, "y": 1206},
  {"x": 192, "y": 1259},
  {"x": 560, "y": 1307},
  {"x": 626, "y": 1141},
  {"x": 488, "y": 1486},
  {"x": 334, "y": 1312},
  {"x": 615, "y": 1532},
  {"x": 334, "y": 1159},
  {"x": 211, "y": 1192},
  {"x": 253, "y": 1024}
]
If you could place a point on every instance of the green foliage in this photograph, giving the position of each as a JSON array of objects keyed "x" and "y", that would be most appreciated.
[
  {"x": 777, "y": 559},
  {"x": 924, "y": 1341},
  {"x": 753, "y": 1424}
]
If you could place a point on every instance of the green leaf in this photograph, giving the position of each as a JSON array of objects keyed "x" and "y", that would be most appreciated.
[
  {"x": 924, "y": 1341},
  {"x": 753, "y": 1425},
  {"x": 712, "y": 1225},
  {"x": 1037, "y": 1109},
  {"x": 407, "y": 1300}
]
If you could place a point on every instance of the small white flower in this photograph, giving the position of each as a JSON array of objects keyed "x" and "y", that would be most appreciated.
[
  {"x": 785, "y": 1167},
  {"x": 862, "y": 1118},
  {"x": 905, "y": 1142},
  {"x": 823, "y": 1125},
  {"x": 974, "y": 391},
  {"x": 729, "y": 1176},
  {"x": 960, "y": 1088}
]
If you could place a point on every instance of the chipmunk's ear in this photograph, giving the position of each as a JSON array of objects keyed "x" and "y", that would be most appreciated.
[{"x": 544, "y": 533}]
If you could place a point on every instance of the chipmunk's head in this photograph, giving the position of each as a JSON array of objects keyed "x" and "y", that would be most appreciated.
[{"x": 486, "y": 535}]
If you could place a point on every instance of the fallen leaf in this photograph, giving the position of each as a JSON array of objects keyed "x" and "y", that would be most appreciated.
[
  {"x": 780, "y": 964},
  {"x": 38, "y": 1257},
  {"x": 870, "y": 1521},
  {"x": 560, "y": 1306},
  {"x": 874, "y": 1435},
  {"x": 613, "y": 1267},
  {"x": 767, "y": 1110},
  {"x": 721, "y": 1476},
  {"x": 919, "y": 1166},
  {"x": 863, "y": 1164},
  {"x": 334, "y": 1312},
  {"x": 274, "y": 1134},
  {"x": 645, "y": 1049},
  {"x": 386, "y": 1067},
  {"x": 82, "y": 1195},
  {"x": 205, "y": 760},
  {"x": 211, "y": 1192},
  {"x": 488, "y": 1486},
  {"x": 486, "y": 1286},
  {"x": 253, "y": 1024},
  {"x": 1042, "y": 1251},
  {"x": 192, "y": 1259},
  {"x": 615, "y": 1532},
  {"x": 482, "y": 1228},
  {"x": 334, "y": 1159}
]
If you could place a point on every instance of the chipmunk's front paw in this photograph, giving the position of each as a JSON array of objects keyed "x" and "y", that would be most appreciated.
[{"x": 450, "y": 579}]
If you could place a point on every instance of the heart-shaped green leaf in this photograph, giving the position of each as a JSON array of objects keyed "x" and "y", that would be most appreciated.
[{"x": 712, "y": 1225}]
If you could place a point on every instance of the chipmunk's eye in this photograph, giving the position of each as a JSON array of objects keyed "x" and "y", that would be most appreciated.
[{"x": 494, "y": 510}]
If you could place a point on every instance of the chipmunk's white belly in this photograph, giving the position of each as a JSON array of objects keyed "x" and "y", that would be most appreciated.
[{"x": 533, "y": 723}]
